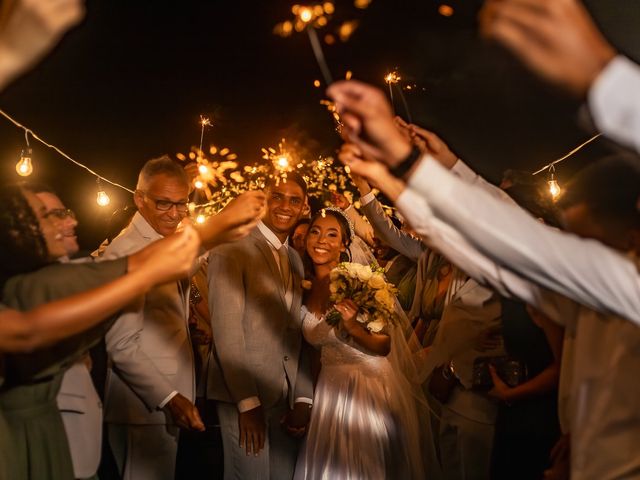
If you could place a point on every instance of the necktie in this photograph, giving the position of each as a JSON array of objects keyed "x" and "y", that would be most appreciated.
[{"x": 285, "y": 269}]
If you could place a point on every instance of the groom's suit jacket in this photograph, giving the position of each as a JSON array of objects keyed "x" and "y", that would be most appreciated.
[{"x": 257, "y": 338}]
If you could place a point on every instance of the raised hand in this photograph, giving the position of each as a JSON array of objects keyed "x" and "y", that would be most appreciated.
[
  {"x": 235, "y": 221},
  {"x": 340, "y": 201},
  {"x": 184, "y": 413},
  {"x": 365, "y": 172},
  {"x": 557, "y": 39},
  {"x": 432, "y": 144},
  {"x": 30, "y": 28},
  {"x": 172, "y": 257},
  {"x": 369, "y": 122}
]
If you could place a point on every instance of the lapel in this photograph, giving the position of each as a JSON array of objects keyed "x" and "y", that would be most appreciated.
[{"x": 265, "y": 249}]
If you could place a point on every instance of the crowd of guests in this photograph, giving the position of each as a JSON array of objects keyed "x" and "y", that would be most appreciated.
[{"x": 177, "y": 350}]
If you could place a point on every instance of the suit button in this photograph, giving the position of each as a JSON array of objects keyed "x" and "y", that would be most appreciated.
[{"x": 286, "y": 358}]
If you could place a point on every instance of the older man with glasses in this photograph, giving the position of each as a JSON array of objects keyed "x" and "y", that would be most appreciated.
[{"x": 151, "y": 385}]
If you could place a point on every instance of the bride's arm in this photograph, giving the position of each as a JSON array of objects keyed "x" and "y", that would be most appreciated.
[{"x": 378, "y": 343}]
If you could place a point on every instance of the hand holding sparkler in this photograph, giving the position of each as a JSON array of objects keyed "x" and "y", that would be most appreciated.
[
  {"x": 369, "y": 122},
  {"x": 366, "y": 173},
  {"x": 235, "y": 221},
  {"x": 429, "y": 142}
]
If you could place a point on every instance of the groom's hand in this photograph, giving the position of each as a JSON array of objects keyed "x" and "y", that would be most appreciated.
[
  {"x": 185, "y": 413},
  {"x": 296, "y": 421},
  {"x": 252, "y": 428}
]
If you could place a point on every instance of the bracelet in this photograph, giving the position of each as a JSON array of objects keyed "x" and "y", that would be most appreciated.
[{"x": 405, "y": 165}]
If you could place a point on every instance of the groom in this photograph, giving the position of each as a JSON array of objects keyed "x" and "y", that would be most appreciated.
[{"x": 257, "y": 372}]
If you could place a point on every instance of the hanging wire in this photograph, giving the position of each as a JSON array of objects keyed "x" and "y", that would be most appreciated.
[
  {"x": 575, "y": 150},
  {"x": 34, "y": 135}
]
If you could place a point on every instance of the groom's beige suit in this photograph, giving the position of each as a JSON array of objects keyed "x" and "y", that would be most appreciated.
[{"x": 257, "y": 359}]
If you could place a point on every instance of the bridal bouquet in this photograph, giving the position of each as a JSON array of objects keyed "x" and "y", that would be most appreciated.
[{"x": 368, "y": 289}]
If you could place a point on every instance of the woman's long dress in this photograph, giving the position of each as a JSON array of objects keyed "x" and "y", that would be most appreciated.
[
  {"x": 38, "y": 446},
  {"x": 364, "y": 423}
]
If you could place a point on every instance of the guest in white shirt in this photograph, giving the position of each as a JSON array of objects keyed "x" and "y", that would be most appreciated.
[{"x": 559, "y": 41}]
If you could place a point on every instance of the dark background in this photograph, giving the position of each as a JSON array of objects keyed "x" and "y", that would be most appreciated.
[{"x": 130, "y": 83}]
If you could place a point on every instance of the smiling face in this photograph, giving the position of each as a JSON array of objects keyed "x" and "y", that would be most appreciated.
[
  {"x": 285, "y": 203},
  {"x": 325, "y": 241},
  {"x": 50, "y": 227},
  {"x": 68, "y": 223},
  {"x": 159, "y": 192}
]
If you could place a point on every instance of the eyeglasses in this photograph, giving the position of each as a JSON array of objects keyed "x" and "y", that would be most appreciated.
[
  {"x": 60, "y": 213},
  {"x": 166, "y": 205}
]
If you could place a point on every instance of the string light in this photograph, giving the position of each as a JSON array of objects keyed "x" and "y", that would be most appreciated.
[
  {"x": 60, "y": 152},
  {"x": 552, "y": 182},
  {"x": 201, "y": 219},
  {"x": 554, "y": 187},
  {"x": 24, "y": 167},
  {"x": 102, "y": 198},
  {"x": 572, "y": 152}
]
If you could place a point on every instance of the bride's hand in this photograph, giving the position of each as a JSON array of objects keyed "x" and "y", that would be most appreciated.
[{"x": 349, "y": 312}]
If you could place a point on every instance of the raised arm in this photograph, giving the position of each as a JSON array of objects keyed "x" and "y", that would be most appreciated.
[
  {"x": 583, "y": 270},
  {"x": 234, "y": 221},
  {"x": 48, "y": 323}
]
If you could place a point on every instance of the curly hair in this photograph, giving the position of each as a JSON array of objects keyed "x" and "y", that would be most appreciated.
[{"x": 22, "y": 245}]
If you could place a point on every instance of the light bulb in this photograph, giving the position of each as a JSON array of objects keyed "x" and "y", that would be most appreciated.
[
  {"x": 103, "y": 199},
  {"x": 199, "y": 184},
  {"x": 203, "y": 170},
  {"x": 200, "y": 218},
  {"x": 554, "y": 188},
  {"x": 24, "y": 166}
]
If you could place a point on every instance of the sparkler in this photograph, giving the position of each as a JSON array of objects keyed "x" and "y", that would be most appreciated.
[
  {"x": 306, "y": 16},
  {"x": 393, "y": 78}
]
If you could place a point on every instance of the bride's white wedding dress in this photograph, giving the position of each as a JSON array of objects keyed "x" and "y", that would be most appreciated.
[{"x": 364, "y": 423}]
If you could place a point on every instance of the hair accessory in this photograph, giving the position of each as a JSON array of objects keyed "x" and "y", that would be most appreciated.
[{"x": 339, "y": 211}]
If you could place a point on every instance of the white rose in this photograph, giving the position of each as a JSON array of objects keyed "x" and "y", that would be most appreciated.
[
  {"x": 377, "y": 281},
  {"x": 333, "y": 288},
  {"x": 364, "y": 273},
  {"x": 376, "y": 326}
]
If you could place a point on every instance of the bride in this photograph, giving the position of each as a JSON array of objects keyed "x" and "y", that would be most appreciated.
[{"x": 365, "y": 422}]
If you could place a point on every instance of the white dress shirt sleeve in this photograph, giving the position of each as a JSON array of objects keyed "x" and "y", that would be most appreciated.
[
  {"x": 583, "y": 270},
  {"x": 614, "y": 101},
  {"x": 247, "y": 404},
  {"x": 168, "y": 399},
  {"x": 447, "y": 241}
]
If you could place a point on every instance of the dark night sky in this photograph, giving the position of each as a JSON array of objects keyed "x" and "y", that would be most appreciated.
[{"x": 132, "y": 80}]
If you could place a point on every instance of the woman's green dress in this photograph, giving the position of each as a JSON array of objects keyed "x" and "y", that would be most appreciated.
[{"x": 38, "y": 447}]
